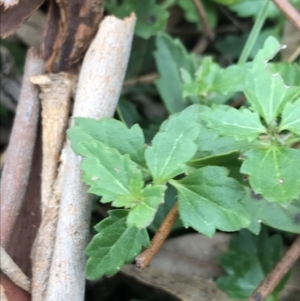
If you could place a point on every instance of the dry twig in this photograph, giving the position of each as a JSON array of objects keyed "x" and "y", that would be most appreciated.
[
  {"x": 12, "y": 271},
  {"x": 19, "y": 153},
  {"x": 274, "y": 277},
  {"x": 144, "y": 79},
  {"x": 289, "y": 11},
  {"x": 143, "y": 259}
]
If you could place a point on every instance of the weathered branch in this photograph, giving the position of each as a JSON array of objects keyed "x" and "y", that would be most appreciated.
[
  {"x": 99, "y": 88},
  {"x": 12, "y": 271},
  {"x": 55, "y": 100},
  {"x": 20, "y": 150}
]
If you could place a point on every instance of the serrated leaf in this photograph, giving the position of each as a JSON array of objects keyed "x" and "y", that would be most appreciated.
[
  {"x": 112, "y": 133},
  {"x": 173, "y": 145},
  {"x": 290, "y": 72},
  {"x": 170, "y": 56},
  {"x": 286, "y": 218},
  {"x": 209, "y": 200},
  {"x": 151, "y": 17},
  {"x": 142, "y": 214},
  {"x": 240, "y": 124},
  {"x": 114, "y": 245},
  {"x": 290, "y": 119},
  {"x": 274, "y": 172},
  {"x": 230, "y": 80},
  {"x": 266, "y": 92},
  {"x": 109, "y": 174},
  {"x": 248, "y": 261}
]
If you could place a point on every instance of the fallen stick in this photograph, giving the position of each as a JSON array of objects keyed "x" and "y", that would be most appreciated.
[
  {"x": 98, "y": 91},
  {"x": 19, "y": 153}
]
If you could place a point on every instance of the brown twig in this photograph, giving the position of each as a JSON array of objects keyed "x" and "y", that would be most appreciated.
[
  {"x": 289, "y": 11},
  {"x": 207, "y": 31},
  {"x": 143, "y": 259},
  {"x": 145, "y": 79},
  {"x": 274, "y": 277},
  {"x": 238, "y": 102}
]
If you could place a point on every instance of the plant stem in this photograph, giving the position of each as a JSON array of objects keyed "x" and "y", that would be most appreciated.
[
  {"x": 160, "y": 236},
  {"x": 274, "y": 277},
  {"x": 259, "y": 22},
  {"x": 207, "y": 31}
]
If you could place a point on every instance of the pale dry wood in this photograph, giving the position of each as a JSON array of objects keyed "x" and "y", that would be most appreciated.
[
  {"x": 19, "y": 154},
  {"x": 2, "y": 293},
  {"x": 12, "y": 271},
  {"x": 99, "y": 88},
  {"x": 55, "y": 100},
  {"x": 42, "y": 252}
]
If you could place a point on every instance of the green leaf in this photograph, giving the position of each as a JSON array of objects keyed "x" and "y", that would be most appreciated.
[
  {"x": 230, "y": 80},
  {"x": 129, "y": 112},
  {"x": 251, "y": 8},
  {"x": 112, "y": 133},
  {"x": 240, "y": 124},
  {"x": 288, "y": 71},
  {"x": 233, "y": 44},
  {"x": 274, "y": 172},
  {"x": 109, "y": 174},
  {"x": 209, "y": 200},
  {"x": 290, "y": 119},
  {"x": 266, "y": 92},
  {"x": 151, "y": 17},
  {"x": 114, "y": 245},
  {"x": 143, "y": 213},
  {"x": 286, "y": 218},
  {"x": 248, "y": 261},
  {"x": 173, "y": 145},
  {"x": 170, "y": 57}
]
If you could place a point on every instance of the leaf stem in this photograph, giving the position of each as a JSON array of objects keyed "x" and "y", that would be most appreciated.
[
  {"x": 260, "y": 20},
  {"x": 143, "y": 259},
  {"x": 274, "y": 277}
]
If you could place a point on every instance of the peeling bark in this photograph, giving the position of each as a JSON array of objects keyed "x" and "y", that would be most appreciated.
[{"x": 69, "y": 29}]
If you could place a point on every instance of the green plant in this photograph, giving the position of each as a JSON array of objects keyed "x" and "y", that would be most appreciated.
[{"x": 205, "y": 153}]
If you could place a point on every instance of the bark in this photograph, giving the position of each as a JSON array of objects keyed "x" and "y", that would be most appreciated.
[
  {"x": 20, "y": 150},
  {"x": 13, "y": 16},
  {"x": 68, "y": 32},
  {"x": 99, "y": 88}
]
